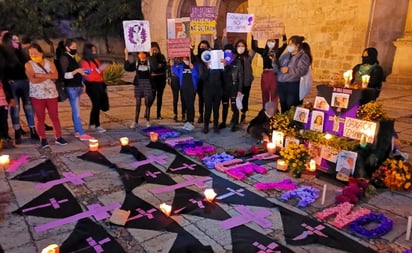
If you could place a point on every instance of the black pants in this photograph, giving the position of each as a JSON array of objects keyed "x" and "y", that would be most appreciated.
[
  {"x": 288, "y": 95},
  {"x": 158, "y": 84},
  {"x": 175, "y": 85},
  {"x": 201, "y": 101},
  {"x": 235, "y": 111},
  {"x": 95, "y": 92},
  {"x": 225, "y": 101},
  {"x": 188, "y": 95},
  {"x": 212, "y": 93},
  {"x": 4, "y": 127},
  {"x": 245, "y": 100}
]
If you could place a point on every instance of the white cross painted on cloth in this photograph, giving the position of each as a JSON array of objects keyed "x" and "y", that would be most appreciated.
[
  {"x": 310, "y": 231},
  {"x": 266, "y": 249},
  {"x": 231, "y": 193},
  {"x": 185, "y": 166},
  {"x": 198, "y": 202},
  {"x": 143, "y": 213},
  {"x": 152, "y": 174}
]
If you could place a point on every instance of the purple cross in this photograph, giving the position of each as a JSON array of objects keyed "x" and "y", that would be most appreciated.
[
  {"x": 266, "y": 249},
  {"x": 143, "y": 213},
  {"x": 53, "y": 202},
  {"x": 152, "y": 174},
  {"x": 99, "y": 212},
  {"x": 185, "y": 166},
  {"x": 231, "y": 193},
  {"x": 160, "y": 159},
  {"x": 190, "y": 180},
  {"x": 246, "y": 216},
  {"x": 198, "y": 202},
  {"x": 16, "y": 164},
  {"x": 97, "y": 245},
  {"x": 310, "y": 231},
  {"x": 67, "y": 177}
]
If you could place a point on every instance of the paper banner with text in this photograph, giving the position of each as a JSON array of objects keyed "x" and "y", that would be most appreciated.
[
  {"x": 178, "y": 28},
  {"x": 239, "y": 23},
  {"x": 265, "y": 28},
  {"x": 137, "y": 35},
  {"x": 355, "y": 128},
  {"x": 203, "y": 20},
  {"x": 178, "y": 47}
]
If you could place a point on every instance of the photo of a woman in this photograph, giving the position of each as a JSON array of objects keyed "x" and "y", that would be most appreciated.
[{"x": 317, "y": 121}]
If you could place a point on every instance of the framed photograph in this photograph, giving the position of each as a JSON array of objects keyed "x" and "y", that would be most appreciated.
[
  {"x": 301, "y": 114},
  {"x": 277, "y": 138},
  {"x": 315, "y": 150},
  {"x": 321, "y": 104},
  {"x": 291, "y": 139},
  {"x": 345, "y": 165},
  {"x": 340, "y": 100},
  {"x": 329, "y": 153},
  {"x": 317, "y": 121}
]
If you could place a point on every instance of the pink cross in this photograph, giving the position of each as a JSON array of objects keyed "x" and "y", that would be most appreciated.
[
  {"x": 152, "y": 174},
  {"x": 97, "y": 245},
  {"x": 190, "y": 180},
  {"x": 67, "y": 177},
  {"x": 185, "y": 166},
  {"x": 246, "y": 216},
  {"x": 53, "y": 202},
  {"x": 143, "y": 213},
  {"x": 310, "y": 231},
  {"x": 266, "y": 249},
  {"x": 198, "y": 202}
]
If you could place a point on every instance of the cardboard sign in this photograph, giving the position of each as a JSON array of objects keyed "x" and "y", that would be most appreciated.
[
  {"x": 202, "y": 20},
  {"x": 178, "y": 28},
  {"x": 178, "y": 47},
  {"x": 137, "y": 35},
  {"x": 265, "y": 28},
  {"x": 355, "y": 128},
  {"x": 239, "y": 23}
]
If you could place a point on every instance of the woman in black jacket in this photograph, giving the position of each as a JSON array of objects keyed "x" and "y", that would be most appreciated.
[{"x": 158, "y": 67}]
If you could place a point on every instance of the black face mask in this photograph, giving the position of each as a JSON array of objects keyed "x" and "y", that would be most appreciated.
[
  {"x": 94, "y": 56},
  {"x": 201, "y": 50},
  {"x": 73, "y": 51},
  {"x": 367, "y": 60}
]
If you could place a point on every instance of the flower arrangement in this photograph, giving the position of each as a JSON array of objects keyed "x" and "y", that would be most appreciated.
[
  {"x": 296, "y": 157},
  {"x": 353, "y": 191},
  {"x": 394, "y": 174},
  {"x": 210, "y": 161},
  {"x": 339, "y": 143},
  {"x": 384, "y": 225},
  {"x": 372, "y": 111},
  {"x": 306, "y": 195},
  {"x": 284, "y": 122},
  {"x": 237, "y": 153}
]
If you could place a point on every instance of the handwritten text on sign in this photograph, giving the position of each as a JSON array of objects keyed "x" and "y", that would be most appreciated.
[
  {"x": 178, "y": 47},
  {"x": 202, "y": 20},
  {"x": 265, "y": 28},
  {"x": 354, "y": 128},
  {"x": 239, "y": 23}
]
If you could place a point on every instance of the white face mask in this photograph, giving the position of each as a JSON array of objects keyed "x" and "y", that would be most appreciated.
[
  {"x": 186, "y": 62},
  {"x": 240, "y": 50},
  {"x": 291, "y": 49},
  {"x": 270, "y": 44}
]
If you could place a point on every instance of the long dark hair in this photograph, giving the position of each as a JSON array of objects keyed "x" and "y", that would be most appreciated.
[
  {"x": 68, "y": 43},
  {"x": 13, "y": 56},
  {"x": 156, "y": 45},
  {"x": 88, "y": 52},
  {"x": 244, "y": 43},
  {"x": 37, "y": 47},
  {"x": 300, "y": 42}
]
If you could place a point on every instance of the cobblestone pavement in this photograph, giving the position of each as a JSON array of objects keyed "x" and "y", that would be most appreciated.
[{"x": 17, "y": 234}]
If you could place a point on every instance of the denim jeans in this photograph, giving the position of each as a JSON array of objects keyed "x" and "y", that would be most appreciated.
[
  {"x": 73, "y": 94},
  {"x": 20, "y": 89}
]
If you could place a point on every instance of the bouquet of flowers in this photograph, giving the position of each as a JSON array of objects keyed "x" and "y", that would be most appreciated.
[
  {"x": 394, "y": 174},
  {"x": 372, "y": 111},
  {"x": 296, "y": 157}
]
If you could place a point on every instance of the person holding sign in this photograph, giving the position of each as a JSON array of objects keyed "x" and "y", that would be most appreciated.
[
  {"x": 291, "y": 67},
  {"x": 158, "y": 67},
  {"x": 141, "y": 82},
  {"x": 270, "y": 53}
]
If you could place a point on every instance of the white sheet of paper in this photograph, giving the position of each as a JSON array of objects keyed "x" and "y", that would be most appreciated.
[
  {"x": 239, "y": 104},
  {"x": 216, "y": 57}
]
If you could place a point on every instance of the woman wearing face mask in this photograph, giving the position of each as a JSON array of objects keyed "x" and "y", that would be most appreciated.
[
  {"x": 73, "y": 81},
  {"x": 269, "y": 54},
  {"x": 158, "y": 67},
  {"x": 292, "y": 66},
  {"x": 43, "y": 93},
  {"x": 95, "y": 86},
  {"x": 141, "y": 82},
  {"x": 16, "y": 77},
  {"x": 245, "y": 58},
  {"x": 370, "y": 66}
]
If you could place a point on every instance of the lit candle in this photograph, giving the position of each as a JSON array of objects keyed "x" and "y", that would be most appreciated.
[
  {"x": 4, "y": 160},
  {"x": 93, "y": 145},
  {"x": 274, "y": 137},
  {"x": 325, "y": 186},
  {"x": 365, "y": 81},
  {"x": 408, "y": 228},
  {"x": 328, "y": 136},
  {"x": 363, "y": 141},
  {"x": 166, "y": 209},
  {"x": 348, "y": 77},
  {"x": 271, "y": 147},
  {"x": 52, "y": 248},
  {"x": 154, "y": 136},
  {"x": 210, "y": 194},
  {"x": 124, "y": 141},
  {"x": 281, "y": 165},
  {"x": 312, "y": 165}
]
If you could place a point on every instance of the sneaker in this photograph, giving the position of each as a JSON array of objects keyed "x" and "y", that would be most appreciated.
[
  {"x": 92, "y": 127},
  {"x": 61, "y": 141},
  {"x": 77, "y": 134},
  {"x": 186, "y": 126},
  {"x": 190, "y": 126},
  {"x": 86, "y": 137},
  {"x": 222, "y": 125},
  {"x": 47, "y": 127},
  {"x": 100, "y": 129},
  {"x": 147, "y": 123},
  {"x": 44, "y": 143},
  {"x": 133, "y": 125}
]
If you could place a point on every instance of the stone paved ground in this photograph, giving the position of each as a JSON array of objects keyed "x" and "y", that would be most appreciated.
[{"x": 17, "y": 235}]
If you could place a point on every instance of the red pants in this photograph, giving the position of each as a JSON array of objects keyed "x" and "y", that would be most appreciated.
[
  {"x": 268, "y": 84},
  {"x": 40, "y": 106}
]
